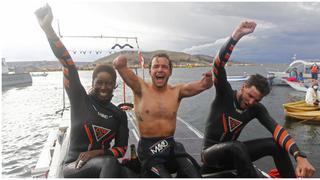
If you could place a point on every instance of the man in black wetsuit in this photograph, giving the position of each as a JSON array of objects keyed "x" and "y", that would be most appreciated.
[
  {"x": 232, "y": 110},
  {"x": 95, "y": 121}
]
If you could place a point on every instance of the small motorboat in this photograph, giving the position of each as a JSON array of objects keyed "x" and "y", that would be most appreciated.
[
  {"x": 298, "y": 86},
  {"x": 302, "y": 65},
  {"x": 300, "y": 110},
  {"x": 44, "y": 74},
  {"x": 237, "y": 78}
]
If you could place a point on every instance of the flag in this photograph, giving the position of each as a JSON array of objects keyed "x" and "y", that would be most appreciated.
[{"x": 141, "y": 60}]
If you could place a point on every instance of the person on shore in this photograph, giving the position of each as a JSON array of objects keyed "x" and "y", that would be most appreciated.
[
  {"x": 313, "y": 95},
  {"x": 314, "y": 71},
  {"x": 95, "y": 121},
  {"x": 156, "y": 105},
  {"x": 232, "y": 110}
]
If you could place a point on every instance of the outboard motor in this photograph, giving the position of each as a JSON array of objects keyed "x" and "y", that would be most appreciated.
[{"x": 270, "y": 77}]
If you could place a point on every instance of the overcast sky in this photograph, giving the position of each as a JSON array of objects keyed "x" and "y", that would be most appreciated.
[{"x": 283, "y": 29}]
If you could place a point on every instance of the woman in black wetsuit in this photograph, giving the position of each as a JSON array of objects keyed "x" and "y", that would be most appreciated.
[{"x": 95, "y": 121}]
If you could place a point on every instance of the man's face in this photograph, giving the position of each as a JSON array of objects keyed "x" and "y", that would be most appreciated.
[
  {"x": 160, "y": 71},
  {"x": 249, "y": 96}
]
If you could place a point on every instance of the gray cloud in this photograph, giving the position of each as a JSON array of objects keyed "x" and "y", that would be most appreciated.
[{"x": 283, "y": 29}]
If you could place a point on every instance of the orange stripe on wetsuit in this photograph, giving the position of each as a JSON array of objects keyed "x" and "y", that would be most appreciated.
[
  {"x": 215, "y": 67},
  {"x": 115, "y": 152},
  {"x": 222, "y": 58},
  {"x": 66, "y": 82},
  {"x": 62, "y": 61},
  {"x": 89, "y": 136},
  {"x": 276, "y": 132},
  {"x": 66, "y": 71},
  {"x": 121, "y": 150},
  {"x": 61, "y": 52},
  {"x": 289, "y": 144},
  {"x": 280, "y": 135},
  {"x": 225, "y": 127},
  {"x": 70, "y": 62},
  {"x": 58, "y": 44},
  {"x": 231, "y": 47}
]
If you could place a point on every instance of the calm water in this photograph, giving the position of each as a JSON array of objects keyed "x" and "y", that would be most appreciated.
[{"x": 28, "y": 114}]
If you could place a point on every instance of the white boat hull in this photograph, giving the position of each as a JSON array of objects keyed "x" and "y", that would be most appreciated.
[
  {"x": 237, "y": 78},
  {"x": 16, "y": 79}
]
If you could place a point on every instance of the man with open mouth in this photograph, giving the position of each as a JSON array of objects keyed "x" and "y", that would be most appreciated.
[{"x": 156, "y": 105}]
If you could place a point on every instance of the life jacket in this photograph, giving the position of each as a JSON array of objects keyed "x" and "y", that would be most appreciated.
[{"x": 314, "y": 69}]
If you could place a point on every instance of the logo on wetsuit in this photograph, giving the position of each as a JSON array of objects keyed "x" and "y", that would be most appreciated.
[
  {"x": 104, "y": 115},
  {"x": 100, "y": 132},
  {"x": 159, "y": 147},
  {"x": 233, "y": 123}
]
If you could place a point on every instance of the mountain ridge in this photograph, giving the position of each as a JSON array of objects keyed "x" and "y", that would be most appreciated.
[{"x": 179, "y": 59}]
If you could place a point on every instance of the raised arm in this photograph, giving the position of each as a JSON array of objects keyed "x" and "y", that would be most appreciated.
[
  {"x": 71, "y": 77},
  {"x": 222, "y": 57},
  {"x": 196, "y": 87},
  {"x": 244, "y": 28},
  {"x": 131, "y": 79}
]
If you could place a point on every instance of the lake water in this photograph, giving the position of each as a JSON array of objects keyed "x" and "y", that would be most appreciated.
[{"x": 29, "y": 113}]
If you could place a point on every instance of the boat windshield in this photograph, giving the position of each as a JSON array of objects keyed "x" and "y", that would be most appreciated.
[
  {"x": 302, "y": 66},
  {"x": 299, "y": 65}
]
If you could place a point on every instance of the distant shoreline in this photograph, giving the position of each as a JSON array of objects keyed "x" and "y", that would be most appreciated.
[{"x": 52, "y": 66}]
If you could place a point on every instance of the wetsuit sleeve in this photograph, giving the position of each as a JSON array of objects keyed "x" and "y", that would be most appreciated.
[
  {"x": 280, "y": 135},
  {"x": 218, "y": 70},
  {"x": 71, "y": 79},
  {"x": 121, "y": 139}
]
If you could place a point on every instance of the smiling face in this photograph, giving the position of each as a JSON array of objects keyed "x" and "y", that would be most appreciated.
[
  {"x": 249, "y": 96},
  {"x": 103, "y": 86},
  {"x": 160, "y": 71}
]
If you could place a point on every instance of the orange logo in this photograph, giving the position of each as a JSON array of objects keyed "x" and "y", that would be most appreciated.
[
  {"x": 233, "y": 124},
  {"x": 100, "y": 132}
]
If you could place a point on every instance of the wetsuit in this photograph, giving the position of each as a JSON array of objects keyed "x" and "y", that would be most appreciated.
[
  {"x": 94, "y": 124},
  {"x": 160, "y": 157},
  {"x": 226, "y": 120}
]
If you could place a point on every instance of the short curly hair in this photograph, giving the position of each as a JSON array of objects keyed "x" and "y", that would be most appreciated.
[
  {"x": 260, "y": 82},
  {"x": 160, "y": 55},
  {"x": 104, "y": 68}
]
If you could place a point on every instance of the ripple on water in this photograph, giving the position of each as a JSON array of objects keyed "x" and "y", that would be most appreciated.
[
  {"x": 20, "y": 138},
  {"x": 26, "y": 172},
  {"x": 9, "y": 163},
  {"x": 14, "y": 169}
]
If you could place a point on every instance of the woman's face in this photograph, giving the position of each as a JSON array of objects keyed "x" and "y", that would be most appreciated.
[{"x": 103, "y": 86}]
